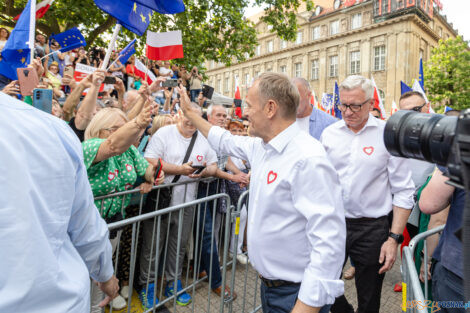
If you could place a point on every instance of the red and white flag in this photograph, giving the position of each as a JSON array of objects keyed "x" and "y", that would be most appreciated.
[
  {"x": 81, "y": 72},
  {"x": 237, "y": 90},
  {"x": 140, "y": 70},
  {"x": 378, "y": 101},
  {"x": 394, "y": 108},
  {"x": 165, "y": 46},
  {"x": 41, "y": 9}
]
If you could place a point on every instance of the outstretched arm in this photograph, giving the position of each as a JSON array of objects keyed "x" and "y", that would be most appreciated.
[{"x": 197, "y": 120}]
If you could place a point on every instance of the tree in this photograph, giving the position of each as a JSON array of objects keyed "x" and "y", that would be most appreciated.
[
  {"x": 447, "y": 74},
  {"x": 212, "y": 29}
]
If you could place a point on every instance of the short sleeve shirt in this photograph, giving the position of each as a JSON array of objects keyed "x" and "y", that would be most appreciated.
[{"x": 115, "y": 174}]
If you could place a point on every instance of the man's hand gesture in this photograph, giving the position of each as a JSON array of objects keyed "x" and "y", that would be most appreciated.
[{"x": 185, "y": 102}]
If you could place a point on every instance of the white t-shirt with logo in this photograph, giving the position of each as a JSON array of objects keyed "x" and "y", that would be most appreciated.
[{"x": 168, "y": 143}]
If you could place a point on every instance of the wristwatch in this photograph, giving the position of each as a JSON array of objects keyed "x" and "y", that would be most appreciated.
[{"x": 396, "y": 237}]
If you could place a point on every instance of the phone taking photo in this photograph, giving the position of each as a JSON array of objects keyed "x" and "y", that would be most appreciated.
[
  {"x": 171, "y": 83},
  {"x": 158, "y": 170},
  {"x": 111, "y": 80},
  {"x": 28, "y": 79},
  {"x": 198, "y": 168},
  {"x": 42, "y": 99}
]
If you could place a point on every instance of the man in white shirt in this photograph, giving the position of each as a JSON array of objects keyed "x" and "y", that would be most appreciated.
[
  {"x": 165, "y": 70},
  {"x": 310, "y": 119},
  {"x": 373, "y": 182},
  {"x": 170, "y": 143},
  {"x": 52, "y": 238},
  {"x": 296, "y": 228}
]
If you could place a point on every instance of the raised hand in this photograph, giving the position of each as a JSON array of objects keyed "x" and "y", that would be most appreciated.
[
  {"x": 145, "y": 116},
  {"x": 12, "y": 88}
]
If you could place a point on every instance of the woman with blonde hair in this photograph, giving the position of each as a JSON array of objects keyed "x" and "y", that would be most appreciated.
[
  {"x": 113, "y": 164},
  {"x": 159, "y": 121}
]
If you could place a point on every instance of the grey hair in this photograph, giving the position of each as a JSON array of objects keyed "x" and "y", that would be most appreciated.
[
  {"x": 211, "y": 108},
  {"x": 357, "y": 81},
  {"x": 302, "y": 81}
]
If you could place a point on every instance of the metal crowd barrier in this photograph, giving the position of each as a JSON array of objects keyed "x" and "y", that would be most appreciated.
[
  {"x": 414, "y": 300},
  {"x": 245, "y": 281}
]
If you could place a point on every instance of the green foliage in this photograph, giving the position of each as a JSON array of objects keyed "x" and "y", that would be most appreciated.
[
  {"x": 212, "y": 29},
  {"x": 447, "y": 74}
]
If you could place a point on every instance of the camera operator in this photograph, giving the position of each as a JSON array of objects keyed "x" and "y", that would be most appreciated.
[
  {"x": 195, "y": 84},
  {"x": 447, "y": 271}
]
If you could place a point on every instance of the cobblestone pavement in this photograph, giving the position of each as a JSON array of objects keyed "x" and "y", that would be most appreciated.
[{"x": 248, "y": 294}]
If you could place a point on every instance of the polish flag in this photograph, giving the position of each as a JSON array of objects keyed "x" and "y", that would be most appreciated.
[
  {"x": 41, "y": 9},
  {"x": 394, "y": 108},
  {"x": 237, "y": 90},
  {"x": 81, "y": 72},
  {"x": 165, "y": 46},
  {"x": 378, "y": 101},
  {"x": 140, "y": 70}
]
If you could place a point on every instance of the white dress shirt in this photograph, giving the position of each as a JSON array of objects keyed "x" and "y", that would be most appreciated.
[
  {"x": 52, "y": 238},
  {"x": 296, "y": 225},
  {"x": 371, "y": 178}
]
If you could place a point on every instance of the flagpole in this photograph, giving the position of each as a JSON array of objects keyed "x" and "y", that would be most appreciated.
[
  {"x": 114, "y": 62},
  {"x": 117, "y": 28},
  {"x": 32, "y": 28}
]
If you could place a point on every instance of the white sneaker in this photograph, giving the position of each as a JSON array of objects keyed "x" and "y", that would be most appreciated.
[
  {"x": 118, "y": 303},
  {"x": 124, "y": 292},
  {"x": 243, "y": 259}
]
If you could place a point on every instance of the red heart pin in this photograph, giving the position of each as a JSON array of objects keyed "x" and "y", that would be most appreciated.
[
  {"x": 199, "y": 158},
  {"x": 271, "y": 177},
  {"x": 111, "y": 176},
  {"x": 368, "y": 150},
  {"x": 128, "y": 167}
]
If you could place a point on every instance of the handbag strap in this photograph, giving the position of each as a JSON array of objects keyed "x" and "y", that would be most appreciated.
[{"x": 188, "y": 153}]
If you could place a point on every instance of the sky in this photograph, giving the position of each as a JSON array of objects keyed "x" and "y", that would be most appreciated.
[{"x": 456, "y": 11}]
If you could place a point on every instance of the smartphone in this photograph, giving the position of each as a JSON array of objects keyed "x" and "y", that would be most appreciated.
[
  {"x": 42, "y": 99},
  {"x": 199, "y": 168},
  {"x": 170, "y": 83},
  {"x": 28, "y": 79},
  {"x": 238, "y": 103},
  {"x": 158, "y": 170},
  {"x": 68, "y": 70},
  {"x": 207, "y": 91},
  {"x": 109, "y": 80}
]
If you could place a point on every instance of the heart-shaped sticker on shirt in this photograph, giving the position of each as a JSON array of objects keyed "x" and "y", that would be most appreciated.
[
  {"x": 368, "y": 150},
  {"x": 271, "y": 177},
  {"x": 199, "y": 158},
  {"x": 111, "y": 176}
]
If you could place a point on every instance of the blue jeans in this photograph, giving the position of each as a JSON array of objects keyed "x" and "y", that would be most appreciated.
[
  {"x": 194, "y": 94},
  {"x": 446, "y": 286},
  {"x": 282, "y": 299},
  {"x": 206, "y": 233}
]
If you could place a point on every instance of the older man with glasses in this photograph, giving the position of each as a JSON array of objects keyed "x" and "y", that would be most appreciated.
[{"x": 373, "y": 183}]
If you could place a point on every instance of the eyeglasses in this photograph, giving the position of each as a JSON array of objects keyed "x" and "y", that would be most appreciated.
[
  {"x": 418, "y": 108},
  {"x": 353, "y": 107}
]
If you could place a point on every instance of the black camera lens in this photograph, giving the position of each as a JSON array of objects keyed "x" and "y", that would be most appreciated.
[{"x": 420, "y": 136}]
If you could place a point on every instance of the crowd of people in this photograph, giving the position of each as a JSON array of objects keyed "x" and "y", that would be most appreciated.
[{"x": 323, "y": 189}]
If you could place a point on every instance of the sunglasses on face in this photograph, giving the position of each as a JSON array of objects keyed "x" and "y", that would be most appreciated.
[{"x": 418, "y": 108}]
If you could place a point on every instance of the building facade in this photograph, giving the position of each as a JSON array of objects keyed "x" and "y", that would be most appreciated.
[{"x": 383, "y": 39}]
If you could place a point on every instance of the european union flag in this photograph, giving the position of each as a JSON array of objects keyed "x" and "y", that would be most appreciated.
[
  {"x": 336, "y": 101},
  {"x": 129, "y": 14},
  {"x": 421, "y": 73},
  {"x": 404, "y": 87},
  {"x": 70, "y": 39},
  {"x": 127, "y": 52},
  {"x": 16, "y": 52},
  {"x": 164, "y": 6}
]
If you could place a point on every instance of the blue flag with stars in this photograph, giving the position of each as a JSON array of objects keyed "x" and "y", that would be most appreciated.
[
  {"x": 70, "y": 39},
  {"x": 16, "y": 52},
  {"x": 133, "y": 16},
  {"x": 336, "y": 101},
  {"x": 164, "y": 6},
  {"x": 127, "y": 52},
  {"x": 421, "y": 73}
]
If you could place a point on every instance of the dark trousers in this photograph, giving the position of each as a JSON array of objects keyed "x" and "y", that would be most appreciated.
[
  {"x": 282, "y": 299},
  {"x": 446, "y": 286},
  {"x": 194, "y": 94},
  {"x": 364, "y": 240},
  {"x": 207, "y": 249}
]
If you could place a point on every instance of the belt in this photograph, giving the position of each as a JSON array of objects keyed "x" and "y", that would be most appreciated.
[{"x": 276, "y": 283}]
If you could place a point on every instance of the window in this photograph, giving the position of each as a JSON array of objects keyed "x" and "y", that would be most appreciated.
[
  {"x": 226, "y": 84},
  {"x": 298, "y": 40},
  {"x": 355, "y": 59},
  {"x": 270, "y": 46},
  {"x": 334, "y": 66},
  {"x": 316, "y": 33},
  {"x": 256, "y": 74},
  {"x": 258, "y": 50},
  {"x": 283, "y": 68},
  {"x": 439, "y": 31},
  {"x": 379, "y": 58},
  {"x": 334, "y": 27},
  {"x": 298, "y": 70},
  {"x": 315, "y": 69},
  {"x": 283, "y": 44},
  {"x": 219, "y": 85},
  {"x": 356, "y": 21},
  {"x": 246, "y": 79}
]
